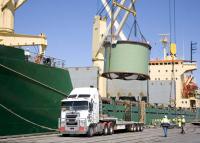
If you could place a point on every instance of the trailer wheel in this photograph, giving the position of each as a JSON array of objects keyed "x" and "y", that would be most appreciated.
[
  {"x": 90, "y": 132},
  {"x": 138, "y": 128},
  {"x": 134, "y": 128},
  {"x": 105, "y": 130},
  {"x": 131, "y": 128},
  {"x": 110, "y": 129},
  {"x": 141, "y": 128}
]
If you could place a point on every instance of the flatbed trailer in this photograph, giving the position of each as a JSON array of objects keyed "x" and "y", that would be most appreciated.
[{"x": 81, "y": 113}]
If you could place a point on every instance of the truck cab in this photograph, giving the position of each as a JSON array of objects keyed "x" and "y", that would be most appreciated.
[{"x": 79, "y": 111}]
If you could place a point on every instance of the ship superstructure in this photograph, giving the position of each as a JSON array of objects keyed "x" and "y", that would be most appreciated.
[
  {"x": 162, "y": 70},
  {"x": 179, "y": 72}
]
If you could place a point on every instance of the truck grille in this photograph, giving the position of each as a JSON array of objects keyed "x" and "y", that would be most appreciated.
[
  {"x": 71, "y": 116},
  {"x": 72, "y": 123},
  {"x": 71, "y": 119}
]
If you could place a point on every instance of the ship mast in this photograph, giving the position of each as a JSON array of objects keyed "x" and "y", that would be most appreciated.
[
  {"x": 164, "y": 40},
  {"x": 7, "y": 35}
]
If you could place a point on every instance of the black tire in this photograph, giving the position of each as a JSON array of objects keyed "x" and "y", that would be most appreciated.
[
  {"x": 141, "y": 128},
  {"x": 90, "y": 132},
  {"x": 134, "y": 128},
  {"x": 131, "y": 128},
  {"x": 64, "y": 135},
  {"x": 138, "y": 128},
  {"x": 105, "y": 130},
  {"x": 110, "y": 130}
]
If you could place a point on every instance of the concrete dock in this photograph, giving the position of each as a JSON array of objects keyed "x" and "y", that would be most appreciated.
[{"x": 149, "y": 135}]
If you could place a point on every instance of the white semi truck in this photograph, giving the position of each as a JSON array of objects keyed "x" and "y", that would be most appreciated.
[{"x": 81, "y": 113}]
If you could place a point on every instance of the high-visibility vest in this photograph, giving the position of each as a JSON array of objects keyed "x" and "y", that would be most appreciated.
[
  {"x": 165, "y": 120},
  {"x": 183, "y": 120}
]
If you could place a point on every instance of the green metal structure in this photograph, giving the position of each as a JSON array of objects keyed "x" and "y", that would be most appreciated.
[
  {"x": 152, "y": 114},
  {"x": 127, "y": 60}
]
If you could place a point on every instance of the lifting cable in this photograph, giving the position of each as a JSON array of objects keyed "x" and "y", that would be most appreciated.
[
  {"x": 101, "y": 10},
  {"x": 174, "y": 39},
  {"x": 136, "y": 27}
]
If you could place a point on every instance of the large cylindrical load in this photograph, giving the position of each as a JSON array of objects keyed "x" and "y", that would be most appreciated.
[{"x": 127, "y": 60}]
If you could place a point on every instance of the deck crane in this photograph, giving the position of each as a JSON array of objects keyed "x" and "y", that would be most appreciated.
[
  {"x": 101, "y": 34},
  {"x": 7, "y": 35}
]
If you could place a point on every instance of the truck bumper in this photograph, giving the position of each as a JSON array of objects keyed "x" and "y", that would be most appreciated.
[{"x": 73, "y": 130}]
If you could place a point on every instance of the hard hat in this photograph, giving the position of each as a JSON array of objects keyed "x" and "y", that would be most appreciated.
[
  {"x": 183, "y": 116},
  {"x": 165, "y": 116}
]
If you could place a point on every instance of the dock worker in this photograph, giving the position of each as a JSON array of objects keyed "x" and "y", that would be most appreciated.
[
  {"x": 182, "y": 124},
  {"x": 165, "y": 125}
]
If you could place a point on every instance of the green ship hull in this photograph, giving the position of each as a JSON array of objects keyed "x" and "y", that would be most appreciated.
[{"x": 30, "y": 94}]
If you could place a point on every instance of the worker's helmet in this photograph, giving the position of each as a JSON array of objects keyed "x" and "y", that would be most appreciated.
[
  {"x": 183, "y": 116},
  {"x": 165, "y": 116}
]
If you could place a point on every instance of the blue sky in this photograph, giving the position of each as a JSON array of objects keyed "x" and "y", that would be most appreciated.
[{"x": 68, "y": 26}]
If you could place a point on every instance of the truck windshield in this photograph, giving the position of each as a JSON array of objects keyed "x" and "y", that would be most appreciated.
[{"x": 75, "y": 105}]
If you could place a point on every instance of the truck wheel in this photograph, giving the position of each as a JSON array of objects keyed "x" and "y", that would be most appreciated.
[
  {"x": 110, "y": 130},
  {"x": 141, "y": 128},
  {"x": 138, "y": 128},
  {"x": 105, "y": 130},
  {"x": 90, "y": 132},
  {"x": 131, "y": 128},
  {"x": 134, "y": 128}
]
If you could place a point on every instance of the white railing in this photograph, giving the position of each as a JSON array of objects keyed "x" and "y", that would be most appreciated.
[{"x": 45, "y": 60}]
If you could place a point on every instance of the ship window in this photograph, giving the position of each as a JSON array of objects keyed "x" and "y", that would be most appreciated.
[
  {"x": 166, "y": 78},
  {"x": 158, "y": 78},
  {"x": 161, "y": 63},
  {"x": 156, "y": 63},
  {"x": 165, "y": 63},
  {"x": 176, "y": 70},
  {"x": 72, "y": 96},
  {"x": 185, "y": 102},
  {"x": 166, "y": 70},
  {"x": 84, "y": 96},
  {"x": 176, "y": 78},
  {"x": 172, "y": 70},
  {"x": 155, "y": 78},
  {"x": 182, "y": 102},
  {"x": 176, "y": 63},
  {"x": 158, "y": 70}
]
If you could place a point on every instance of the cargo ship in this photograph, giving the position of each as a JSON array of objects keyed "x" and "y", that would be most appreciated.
[{"x": 32, "y": 86}]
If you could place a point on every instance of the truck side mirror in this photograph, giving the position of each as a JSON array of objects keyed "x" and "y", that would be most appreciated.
[{"x": 90, "y": 107}]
